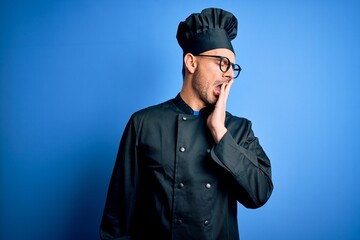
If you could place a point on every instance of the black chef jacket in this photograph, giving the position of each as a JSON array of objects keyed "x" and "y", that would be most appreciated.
[{"x": 171, "y": 181}]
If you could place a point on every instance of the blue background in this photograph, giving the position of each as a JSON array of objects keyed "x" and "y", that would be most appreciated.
[{"x": 72, "y": 72}]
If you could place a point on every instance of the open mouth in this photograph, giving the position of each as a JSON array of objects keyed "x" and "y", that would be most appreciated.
[
  {"x": 217, "y": 86},
  {"x": 217, "y": 90}
]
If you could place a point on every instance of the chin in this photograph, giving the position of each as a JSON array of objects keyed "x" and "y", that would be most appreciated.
[{"x": 212, "y": 102}]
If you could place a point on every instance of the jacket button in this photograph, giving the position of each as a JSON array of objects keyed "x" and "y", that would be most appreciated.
[
  {"x": 206, "y": 222},
  {"x": 178, "y": 221},
  {"x": 208, "y": 150},
  {"x": 182, "y": 149},
  {"x": 180, "y": 185},
  {"x": 208, "y": 185},
  {"x": 184, "y": 118}
]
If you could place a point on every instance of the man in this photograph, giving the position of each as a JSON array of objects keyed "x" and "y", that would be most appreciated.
[{"x": 183, "y": 165}]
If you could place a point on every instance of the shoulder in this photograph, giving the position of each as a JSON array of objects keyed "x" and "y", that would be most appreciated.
[
  {"x": 154, "y": 113},
  {"x": 232, "y": 119},
  {"x": 239, "y": 127}
]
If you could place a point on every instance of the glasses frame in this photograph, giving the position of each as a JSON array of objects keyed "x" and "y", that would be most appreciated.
[{"x": 233, "y": 65}]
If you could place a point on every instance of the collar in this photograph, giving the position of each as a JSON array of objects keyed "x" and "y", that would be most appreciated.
[{"x": 181, "y": 104}]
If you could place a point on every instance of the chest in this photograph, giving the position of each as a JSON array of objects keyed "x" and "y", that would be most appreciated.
[{"x": 178, "y": 145}]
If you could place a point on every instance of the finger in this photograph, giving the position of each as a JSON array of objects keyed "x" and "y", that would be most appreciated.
[
  {"x": 227, "y": 89},
  {"x": 228, "y": 85},
  {"x": 222, "y": 95},
  {"x": 221, "y": 102}
]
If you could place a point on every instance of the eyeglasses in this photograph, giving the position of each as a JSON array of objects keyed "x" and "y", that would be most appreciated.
[{"x": 225, "y": 64}]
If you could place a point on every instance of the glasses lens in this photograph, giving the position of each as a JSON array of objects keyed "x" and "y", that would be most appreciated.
[{"x": 224, "y": 64}]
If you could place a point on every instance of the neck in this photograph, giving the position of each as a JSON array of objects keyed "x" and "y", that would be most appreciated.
[{"x": 192, "y": 100}]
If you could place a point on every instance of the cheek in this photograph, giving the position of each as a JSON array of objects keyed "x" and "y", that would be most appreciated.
[
  {"x": 214, "y": 74},
  {"x": 208, "y": 77}
]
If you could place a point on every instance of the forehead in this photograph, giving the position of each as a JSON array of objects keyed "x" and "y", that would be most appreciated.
[{"x": 221, "y": 52}]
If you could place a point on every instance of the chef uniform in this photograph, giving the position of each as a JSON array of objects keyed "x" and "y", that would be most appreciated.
[{"x": 170, "y": 179}]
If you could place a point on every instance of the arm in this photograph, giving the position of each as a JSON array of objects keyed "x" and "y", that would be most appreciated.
[
  {"x": 247, "y": 164},
  {"x": 122, "y": 194},
  {"x": 240, "y": 153}
]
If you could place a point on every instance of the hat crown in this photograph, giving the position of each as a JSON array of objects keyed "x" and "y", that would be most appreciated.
[{"x": 210, "y": 29}]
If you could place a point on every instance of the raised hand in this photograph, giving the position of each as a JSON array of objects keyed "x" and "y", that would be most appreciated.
[{"x": 216, "y": 120}]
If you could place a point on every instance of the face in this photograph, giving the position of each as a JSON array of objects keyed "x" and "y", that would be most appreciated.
[{"x": 208, "y": 77}]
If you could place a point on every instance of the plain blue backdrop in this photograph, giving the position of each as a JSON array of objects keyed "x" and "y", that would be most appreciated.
[{"x": 72, "y": 73}]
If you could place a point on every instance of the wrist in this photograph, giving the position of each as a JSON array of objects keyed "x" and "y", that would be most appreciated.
[{"x": 218, "y": 134}]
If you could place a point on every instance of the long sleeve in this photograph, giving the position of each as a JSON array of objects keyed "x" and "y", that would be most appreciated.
[
  {"x": 240, "y": 153},
  {"x": 122, "y": 195}
]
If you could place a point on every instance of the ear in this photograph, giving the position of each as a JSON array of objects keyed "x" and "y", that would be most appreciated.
[{"x": 190, "y": 62}]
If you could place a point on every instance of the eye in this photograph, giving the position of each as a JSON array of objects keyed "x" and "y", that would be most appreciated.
[{"x": 225, "y": 62}]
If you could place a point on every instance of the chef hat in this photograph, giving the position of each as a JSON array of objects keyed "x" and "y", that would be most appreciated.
[{"x": 212, "y": 28}]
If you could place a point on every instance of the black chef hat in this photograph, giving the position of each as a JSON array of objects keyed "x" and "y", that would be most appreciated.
[{"x": 210, "y": 29}]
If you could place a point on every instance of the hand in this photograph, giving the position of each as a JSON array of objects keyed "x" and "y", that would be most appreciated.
[{"x": 216, "y": 120}]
